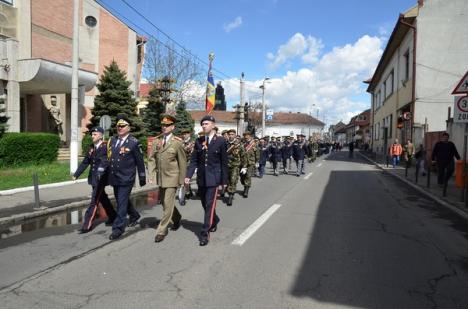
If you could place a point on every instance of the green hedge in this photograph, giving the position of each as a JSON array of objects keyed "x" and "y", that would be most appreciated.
[
  {"x": 85, "y": 142},
  {"x": 26, "y": 148}
]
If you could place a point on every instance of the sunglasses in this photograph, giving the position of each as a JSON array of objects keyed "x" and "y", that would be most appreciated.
[{"x": 121, "y": 126}]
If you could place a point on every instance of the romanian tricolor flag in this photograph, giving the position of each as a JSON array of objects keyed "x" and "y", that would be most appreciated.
[{"x": 210, "y": 88}]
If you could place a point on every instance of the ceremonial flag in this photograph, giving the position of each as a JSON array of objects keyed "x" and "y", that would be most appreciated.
[{"x": 210, "y": 88}]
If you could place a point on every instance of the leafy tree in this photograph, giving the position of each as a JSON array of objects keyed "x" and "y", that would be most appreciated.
[
  {"x": 184, "y": 119},
  {"x": 3, "y": 118},
  {"x": 114, "y": 98},
  {"x": 152, "y": 113}
]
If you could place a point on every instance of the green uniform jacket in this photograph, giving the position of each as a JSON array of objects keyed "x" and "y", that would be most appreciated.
[
  {"x": 236, "y": 154},
  {"x": 252, "y": 153},
  {"x": 167, "y": 165}
]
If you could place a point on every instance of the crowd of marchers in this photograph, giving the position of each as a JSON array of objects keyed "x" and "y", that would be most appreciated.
[{"x": 220, "y": 160}]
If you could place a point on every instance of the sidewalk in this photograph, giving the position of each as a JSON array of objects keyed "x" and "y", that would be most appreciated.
[
  {"x": 452, "y": 200},
  {"x": 20, "y": 206}
]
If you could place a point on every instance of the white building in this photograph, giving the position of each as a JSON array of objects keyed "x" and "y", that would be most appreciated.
[{"x": 424, "y": 59}]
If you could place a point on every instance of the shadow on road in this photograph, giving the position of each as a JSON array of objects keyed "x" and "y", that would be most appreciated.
[{"x": 369, "y": 249}]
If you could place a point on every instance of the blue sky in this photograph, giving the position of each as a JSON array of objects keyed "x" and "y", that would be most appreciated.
[{"x": 318, "y": 38}]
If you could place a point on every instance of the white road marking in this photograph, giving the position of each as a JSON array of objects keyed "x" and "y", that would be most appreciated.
[
  {"x": 308, "y": 176},
  {"x": 242, "y": 238},
  {"x": 320, "y": 164}
]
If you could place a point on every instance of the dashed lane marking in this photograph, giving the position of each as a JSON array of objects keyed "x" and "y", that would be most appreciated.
[
  {"x": 320, "y": 164},
  {"x": 242, "y": 238},
  {"x": 308, "y": 176}
]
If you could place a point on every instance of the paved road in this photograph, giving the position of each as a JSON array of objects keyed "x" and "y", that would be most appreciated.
[{"x": 345, "y": 236}]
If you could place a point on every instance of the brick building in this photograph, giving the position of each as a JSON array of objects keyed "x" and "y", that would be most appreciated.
[{"x": 36, "y": 48}]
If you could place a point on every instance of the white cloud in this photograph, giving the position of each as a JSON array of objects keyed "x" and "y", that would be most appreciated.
[
  {"x": 236, "y": 23},
  {"x": 298, "y": 45},
  {"x": 332, "y": 83}
]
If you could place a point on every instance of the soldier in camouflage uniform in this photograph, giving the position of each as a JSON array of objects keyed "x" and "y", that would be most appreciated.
[
  {"x": 236, "y": 161},
  {"x": 189, "y": 142},
  {"x": 252, "y": 157}
]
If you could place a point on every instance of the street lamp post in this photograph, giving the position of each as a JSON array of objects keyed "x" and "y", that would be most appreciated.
[{"x": 263, "y": 105}]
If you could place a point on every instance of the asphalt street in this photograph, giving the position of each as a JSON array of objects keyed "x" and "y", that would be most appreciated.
[{"x": 345, "y": 235}]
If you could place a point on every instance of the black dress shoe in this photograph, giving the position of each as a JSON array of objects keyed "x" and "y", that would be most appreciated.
[
  {"x": 203, "y": 242},
  {"x": 83, "y": 231},
  {"x": 133, "y": 221},
  {"x": 214, "y": 228},
  {"x": 175, "y": 226},
  {"x": 159, "y": 238},
  {"x": 114, "y": 236}
]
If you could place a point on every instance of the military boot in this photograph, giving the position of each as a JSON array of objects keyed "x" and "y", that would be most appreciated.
[
  {"x": 245, "y": 194},
  {"x": 230, "y": 198}
]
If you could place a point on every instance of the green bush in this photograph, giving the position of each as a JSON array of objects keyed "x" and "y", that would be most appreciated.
[
  {"x": 25, "y": 148},
  {"x": 144, "y": 144},
  {"x": 85, "y": 142}
]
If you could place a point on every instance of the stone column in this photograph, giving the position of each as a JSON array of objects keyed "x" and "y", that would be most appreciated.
[{"x": 13, "y": 89}]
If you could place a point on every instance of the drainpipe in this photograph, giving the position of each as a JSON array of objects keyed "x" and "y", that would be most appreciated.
[{"x": 413, "y": 90}]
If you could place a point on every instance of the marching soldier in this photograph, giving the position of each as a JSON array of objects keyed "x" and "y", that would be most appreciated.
[
  {"x": 209, "y": 158},
  {"x": 96, "y": 158},
  {"x": 263, "y": 158},
  {"x": 299, "y": 154},
  {"x": 275, "y": 154},
  {"x": 313, "y": 149},
  {"x": 286, "y": 153},
  {"x": 225, "y": 134},
  {"x": 252, "y": 157},
  {"x": 189, "y": 142},
  {"x": 125, "y": 156},
  {"x": 236, "y": 162},
  {"x": 167, "y": 164}
]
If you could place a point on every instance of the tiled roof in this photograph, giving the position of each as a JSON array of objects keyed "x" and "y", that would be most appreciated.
[{"x": 145, "y": 89}]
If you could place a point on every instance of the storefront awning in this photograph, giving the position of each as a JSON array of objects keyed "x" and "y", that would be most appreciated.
[{"x": 39, "y": 76}]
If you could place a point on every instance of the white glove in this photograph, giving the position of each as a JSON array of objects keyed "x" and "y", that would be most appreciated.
[
  {"x": 257, "y": 165},
  {"x": 243, "y": 170}
]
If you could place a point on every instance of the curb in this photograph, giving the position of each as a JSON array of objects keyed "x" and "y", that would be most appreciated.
[
  {"x": 45, "y": 186},
  {"x": 21, "y": 218},
  {"x": 430, "y": 195}
]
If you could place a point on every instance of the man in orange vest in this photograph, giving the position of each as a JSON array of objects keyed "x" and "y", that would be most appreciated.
[{"x": 395, "y": 152}]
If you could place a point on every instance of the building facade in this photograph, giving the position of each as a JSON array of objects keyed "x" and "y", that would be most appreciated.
[
  {"x": 421, "y": 64},
  {"x": 37, "y": 50}
]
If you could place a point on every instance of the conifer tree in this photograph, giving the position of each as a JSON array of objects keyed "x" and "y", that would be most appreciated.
[
  {"x": 153, "y": 112},
  {"x": 114, "y": 98},
  {"x": 184, "y": 119}
]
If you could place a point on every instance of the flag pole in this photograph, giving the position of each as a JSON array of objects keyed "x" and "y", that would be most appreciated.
[{"x": 210, "y": 88}]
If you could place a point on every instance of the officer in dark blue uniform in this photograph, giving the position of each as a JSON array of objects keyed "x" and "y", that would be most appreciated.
[
  {"x": 209, "y": 158},
  {"x": 299, "y": 154},
  {"x": 125, "y": 157},
  {"x": 96, "y": 158}
]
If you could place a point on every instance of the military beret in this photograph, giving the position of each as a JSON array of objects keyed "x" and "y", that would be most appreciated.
[
  {"x": 207, "y": 118},
  {"x": 122, "y": 119},
  {"x": 247, "y": 133},
  {"x": 183, "y": 131},
  {"x": 168, "y": 119},
  {"x": 231, "y": 131},
  {"x": 224, "y": 132},
  {"x": 97, "y": 129}
]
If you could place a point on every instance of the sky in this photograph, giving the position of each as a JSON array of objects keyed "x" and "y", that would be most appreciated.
[{"x": 315, "y": 52}]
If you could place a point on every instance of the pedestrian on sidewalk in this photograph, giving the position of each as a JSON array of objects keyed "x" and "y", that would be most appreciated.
[
  {"x": 96, "y": 159},
  {"x": 409, "y": 151},
  {"x": 209, "y": 158},
  {"x": 167, "y": 164},
  {"x": 351, "y": 149},
  {"x": 442, "y": 155},
  {"x": 395, "y": 152},
  {"x": 125, "y": 156},
  {"x": 420, "y": 157}
]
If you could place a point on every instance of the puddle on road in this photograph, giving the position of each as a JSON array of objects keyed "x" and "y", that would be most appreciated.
[{"x": 141, "y": 201}]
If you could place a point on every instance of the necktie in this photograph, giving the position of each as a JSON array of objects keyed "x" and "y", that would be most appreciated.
[
  {"x": 164, "y": 141},
  {"x": 118, "y": 144},
  {"x": 207, "y": 140}
]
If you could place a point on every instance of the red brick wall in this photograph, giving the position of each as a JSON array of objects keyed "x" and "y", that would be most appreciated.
[{"x": 113, "y": 42}]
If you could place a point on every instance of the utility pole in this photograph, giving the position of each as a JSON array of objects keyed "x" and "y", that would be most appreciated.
[
  {"x": 241, "y": 104},
  {"x": 74, "y": 91},
  {"x": 263, "y": 105}
]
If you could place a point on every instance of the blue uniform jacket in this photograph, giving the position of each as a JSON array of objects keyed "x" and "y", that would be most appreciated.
[
  {"x": 210, "y": 161},
  {"x": 275, "y": 152},
  {"x": 286, "y": 151},
  {"x": 264, "y": 153},
  {"x": 124, "y": 161},
  {"x": 299, "y": 151},
  {"x": 97, "y": 161}
]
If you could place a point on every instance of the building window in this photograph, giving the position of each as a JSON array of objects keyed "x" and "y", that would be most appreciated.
[
  {"x": 384, "y": 88},
  {"x": 406, "y": 71},
  {"x": 390, "y": 130},
  {"x": 10, "y": 2},
  {"x": 389, "y": 84}
]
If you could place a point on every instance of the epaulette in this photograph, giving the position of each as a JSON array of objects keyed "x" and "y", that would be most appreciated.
[{"x": 177, "y": 138}]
